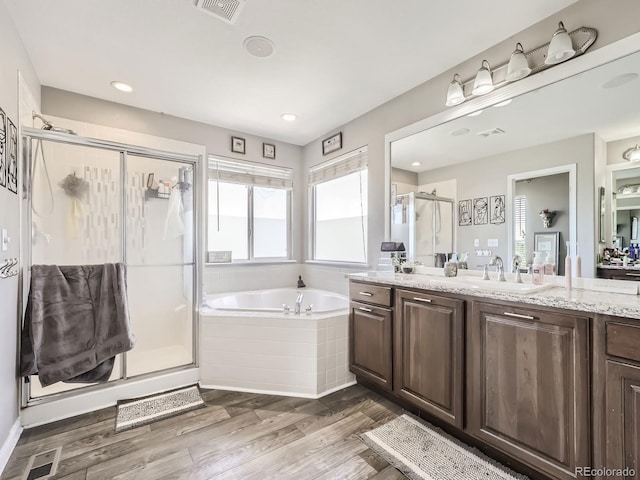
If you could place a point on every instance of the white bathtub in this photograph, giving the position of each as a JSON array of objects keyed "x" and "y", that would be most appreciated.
[
  {"x": 248, "y": 343},
  {"x": 273, "y": 300}
]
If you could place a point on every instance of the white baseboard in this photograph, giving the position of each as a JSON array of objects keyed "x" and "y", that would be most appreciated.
[{"x": 9, "y": 444}]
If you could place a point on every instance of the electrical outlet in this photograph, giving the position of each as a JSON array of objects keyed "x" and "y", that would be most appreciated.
[
  {"x": 476, "y": 242},
  {"x": 492, "y": 242}
]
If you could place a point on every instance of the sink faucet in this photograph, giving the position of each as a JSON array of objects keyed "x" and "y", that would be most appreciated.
[
  {"x": 515, "y": 266},
  {"x": 298, "y": 303},
  {"x": 497, "y": 261}
]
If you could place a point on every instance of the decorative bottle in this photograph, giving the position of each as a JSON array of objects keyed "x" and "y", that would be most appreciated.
[
  {"x": 537, "y": 269},
  {"x": 567, "y": 269}
]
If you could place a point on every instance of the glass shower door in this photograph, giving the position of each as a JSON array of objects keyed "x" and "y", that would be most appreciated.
[
  {"x": 74, "y": 215},
  {"x": 160, "y": 257}
]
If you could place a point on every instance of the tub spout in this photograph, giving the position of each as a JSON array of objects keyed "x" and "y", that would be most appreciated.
[{"x": 298, "y": 303}]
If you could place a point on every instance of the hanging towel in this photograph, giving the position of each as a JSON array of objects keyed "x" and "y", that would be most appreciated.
[
  {"x": 173, "y": 224},
  {"x": 77, "y": 321}
]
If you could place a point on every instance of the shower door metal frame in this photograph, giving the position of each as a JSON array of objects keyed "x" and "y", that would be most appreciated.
[{"x": 196, "y": 161}]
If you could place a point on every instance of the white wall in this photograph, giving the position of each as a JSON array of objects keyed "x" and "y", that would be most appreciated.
[
  {"x": 427, "y": 99},
  {"x": 14, "y": 60}
]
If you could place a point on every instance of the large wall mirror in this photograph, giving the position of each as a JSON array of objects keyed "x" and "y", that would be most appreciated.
[{"x": 551, "y": 149}]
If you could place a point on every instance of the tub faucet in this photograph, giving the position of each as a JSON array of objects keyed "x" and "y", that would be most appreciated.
[
  {"x": 497, "y": 261},
  {"x": 298, "y": 303}
]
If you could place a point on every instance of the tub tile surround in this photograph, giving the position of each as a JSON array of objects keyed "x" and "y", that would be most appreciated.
[
  {"x": 589, "y": 299},
  {"x": 295, "y": 355}
]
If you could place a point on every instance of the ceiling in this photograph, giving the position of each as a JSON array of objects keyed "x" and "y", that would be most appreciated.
[
  {"x": 334, "y": 60},
  {"x": 575, "y": 106}
]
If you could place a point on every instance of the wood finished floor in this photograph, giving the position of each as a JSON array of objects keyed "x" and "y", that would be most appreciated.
[{"x": 239, "y": 436}]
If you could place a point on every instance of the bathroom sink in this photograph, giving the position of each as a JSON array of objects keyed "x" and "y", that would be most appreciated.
[{"x": 476, "y": 283}]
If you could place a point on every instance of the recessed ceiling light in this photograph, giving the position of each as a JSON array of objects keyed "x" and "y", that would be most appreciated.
[
  {"x": 260, "y": 47},
  {"x": 416, "y": 164},
  {"x": 620, "y": 80},
  {"x": 504, "y": 104},
  {"x": 475, "y": 114},
  {"x": 289, "y": 117},
  {"x": 123, "y": 87}
]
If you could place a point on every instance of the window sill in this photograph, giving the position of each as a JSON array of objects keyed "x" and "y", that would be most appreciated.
[
  {"x": 347, "y": 265},
  {"x": 256, "y": 263}
]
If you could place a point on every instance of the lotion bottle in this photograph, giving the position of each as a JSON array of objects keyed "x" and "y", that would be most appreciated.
[
  {"x": 549, "y": 265},
  {"x": 578, "y": 263},
  {"x": 537, "y": 269}
]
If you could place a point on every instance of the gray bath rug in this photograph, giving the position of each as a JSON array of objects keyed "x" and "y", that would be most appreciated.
[
  {"x": 142, "y": 411},
  {"x": 422, "y": 452}
]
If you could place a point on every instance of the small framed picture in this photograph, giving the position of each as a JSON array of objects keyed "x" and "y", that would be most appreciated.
[
  {"x": 238, "y": 145},
  {"x": 332, "y": 143},
  {"x": 268, "y": 150}
]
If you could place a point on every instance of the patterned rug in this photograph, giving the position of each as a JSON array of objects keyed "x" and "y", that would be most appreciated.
[
  {"x": 422, "y": 452},
  {"x": 142, "y": 411}
]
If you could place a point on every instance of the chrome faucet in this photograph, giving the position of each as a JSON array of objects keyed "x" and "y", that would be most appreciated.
[
  {"x": 515, "y": 266},
  {"x": 497, "y": 261},
  {"x": 298, "y": 303}
]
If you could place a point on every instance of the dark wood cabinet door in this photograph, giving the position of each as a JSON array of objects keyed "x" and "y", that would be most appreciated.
[
  {"x": 623, "y": 417},
  {"x": 370, "y": 342},
  {"x": 428, "y": 363},
  {"x": 529, "y": 385}
]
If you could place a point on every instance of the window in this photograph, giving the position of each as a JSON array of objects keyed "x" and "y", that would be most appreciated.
[
  {"x": 338, "y": 190},
  {"x": 249, "y": 210},
  {"x": 520, "y": 226}
]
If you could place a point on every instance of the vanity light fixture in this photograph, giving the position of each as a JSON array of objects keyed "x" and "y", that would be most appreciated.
[
  {"x": 455, "y": 94},
  {"x": 560, "y": 47},
  {"x": 483, "y": 83},
  {"x": 518, "y": 65},
  {"x": 632, "y": 154},
  {"x": 289, "y": 117},
  {"x": 123, "y": 87}
]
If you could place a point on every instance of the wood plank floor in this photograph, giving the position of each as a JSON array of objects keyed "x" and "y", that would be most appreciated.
[{"x": 239, "y": 436}]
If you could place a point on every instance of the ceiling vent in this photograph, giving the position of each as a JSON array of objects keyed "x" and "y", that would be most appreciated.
[
  {"x": 226, "y": 10},
  {"x": 491, "y": 131}
]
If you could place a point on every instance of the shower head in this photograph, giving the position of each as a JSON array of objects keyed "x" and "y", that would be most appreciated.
[{"x": 47, "y": 125}]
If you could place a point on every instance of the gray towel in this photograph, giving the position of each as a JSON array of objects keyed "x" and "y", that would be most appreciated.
[{"x": 77, "y": 321}]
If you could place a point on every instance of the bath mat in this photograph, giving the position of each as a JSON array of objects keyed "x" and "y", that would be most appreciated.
[
  {"x": 142, "y": 411},
  {"x": 423, "y": 452}
]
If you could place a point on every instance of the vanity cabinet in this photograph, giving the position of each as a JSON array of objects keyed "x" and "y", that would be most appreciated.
[
  {"x": 618, "y": 379},
  {"x": 632, "y": 274},
  {"x": 529, "y": 385},
  {"x": 370, "y": 333},
  {"x": 429, "y": 353}
]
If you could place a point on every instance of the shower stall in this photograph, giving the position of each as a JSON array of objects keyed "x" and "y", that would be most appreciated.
[
  {"x": 424, "y": 223},
  {"x": 88, "y": 201}
]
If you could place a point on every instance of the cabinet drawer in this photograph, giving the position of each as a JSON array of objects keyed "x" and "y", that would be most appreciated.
[
  {"x": 365, "y": 292},
  {"x": 623, "y": 340}
]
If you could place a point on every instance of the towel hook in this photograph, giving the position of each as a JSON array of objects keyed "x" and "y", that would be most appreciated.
[{"x": 6, "y": 270}]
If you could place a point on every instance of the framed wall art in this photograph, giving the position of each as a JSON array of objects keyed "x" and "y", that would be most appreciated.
[
  {"x": 480, "y": 211},
  {"x": 238, "y": 145},
  {"x": 3, "y": 149},
  {"x": 11, "y": 146},
  {"x": 497, "y": 209},
  {"x": 269, "y": 151},
  {"x": 332, "y": 143},
  {"x": 464, "y": 213}
]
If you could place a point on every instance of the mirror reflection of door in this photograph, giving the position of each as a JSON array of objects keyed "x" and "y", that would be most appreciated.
[
  {"x": 627, "y": 207},
  {"x": 533, "y": 195}
]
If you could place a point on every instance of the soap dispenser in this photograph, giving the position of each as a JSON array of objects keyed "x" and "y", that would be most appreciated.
[
  {"x": 537, "y": 269},
  {"x": 451, "y": 267},
  {"x": 549, "y": 267}
]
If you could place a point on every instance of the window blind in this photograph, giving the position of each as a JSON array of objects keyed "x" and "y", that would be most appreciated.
[
  {"x": 520, "y": 224},
  {"x": 339, "y": 167},
  {"x": 248, "y": 173}
]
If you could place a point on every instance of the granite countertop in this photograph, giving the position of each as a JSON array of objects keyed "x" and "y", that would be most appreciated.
[{"x": 577, "y": 299}]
